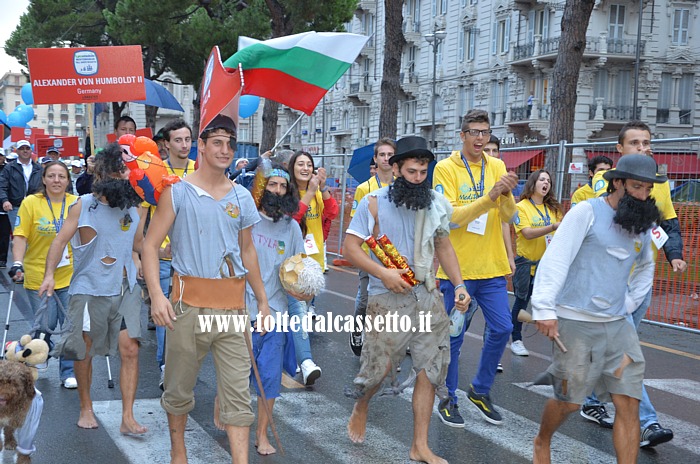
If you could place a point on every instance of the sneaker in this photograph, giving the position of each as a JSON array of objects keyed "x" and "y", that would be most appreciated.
[
  {"x": 654, "y": 435},
  {"x": 485, "y": 407},
  {"x": 310, "y": 371},
  {"x": 161, "y": 382},
  {"x": 519, "y": 349},
  {"x": 499, "y": 368},
  {"x": 449, "y": 414},
  {"x": 356, "y": 343},
  {"x": 70, "y": 383},
  {"x": 597, "y": 413}
]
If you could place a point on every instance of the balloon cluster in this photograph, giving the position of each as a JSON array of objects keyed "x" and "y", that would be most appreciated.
[
  {"x": 148, "y": 174},
  {"x": 22, "y": 114}
]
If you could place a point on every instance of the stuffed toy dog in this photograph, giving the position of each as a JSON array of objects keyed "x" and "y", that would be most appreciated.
[
  {"x": 20, "y": 402},
  {"x": 29, "y": 351}
]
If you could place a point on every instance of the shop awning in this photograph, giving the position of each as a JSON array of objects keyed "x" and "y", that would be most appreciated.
[
  {"x": 679, "y": 163},
  {"x": 676, "y": 163},
  {"x": 513, "y": 159}
]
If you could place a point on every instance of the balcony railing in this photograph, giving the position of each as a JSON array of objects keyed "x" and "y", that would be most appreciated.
[
  {"x": 663, "y": 116},
  {"x": 594, "y": 46},
  {"x": 613, "y": 113}
]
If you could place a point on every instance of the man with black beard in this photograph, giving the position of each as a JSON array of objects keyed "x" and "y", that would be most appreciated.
[
  {"x": 417, "y": 221},
  {"x": 635, "y": 137},
  {"x": 105, "y": 229},
  {"x": 276, "y": 237},
  {"x": 591, "y": 310}
]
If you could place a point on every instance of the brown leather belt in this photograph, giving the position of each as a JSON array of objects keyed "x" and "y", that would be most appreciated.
[{"x": 226, "y": 293}]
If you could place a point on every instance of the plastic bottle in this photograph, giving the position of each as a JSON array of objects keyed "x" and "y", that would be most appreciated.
[{"x": 456, "y": 322}]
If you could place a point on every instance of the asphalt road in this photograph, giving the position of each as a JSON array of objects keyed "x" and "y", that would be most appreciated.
[{"x": 311, "y": 422}]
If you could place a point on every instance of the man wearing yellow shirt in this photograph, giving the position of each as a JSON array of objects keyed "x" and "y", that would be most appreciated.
[
  {"x": 635, "y": 138},
  {"x": 479, "y": 189},
  {"x": 384, "y": 149},
  {"x": 177, "y": 136},
  {"x": 585, "y": 192}
]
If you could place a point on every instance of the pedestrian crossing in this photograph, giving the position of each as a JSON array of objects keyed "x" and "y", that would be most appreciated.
[{"x": 685, "y": 433}]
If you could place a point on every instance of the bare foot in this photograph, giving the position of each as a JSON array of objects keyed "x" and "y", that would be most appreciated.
[
  {"x": 217, "y": 422},
  {"x": 131, "y": 427},
  {"x": 540, "y": 452},
  {"x": 425, "y": 455},
  {"x": 176, "y": 458},
  {"x": 264, "y": 446},
  {"x": 87, "y": 419},
  {"x": 357, "y": 424}
]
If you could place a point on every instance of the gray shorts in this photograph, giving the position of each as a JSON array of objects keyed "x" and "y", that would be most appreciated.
[
  {"x": 593, "y": 362},
  {"x": 382, "y": 351},
  {"x": 107, "y": 314}
]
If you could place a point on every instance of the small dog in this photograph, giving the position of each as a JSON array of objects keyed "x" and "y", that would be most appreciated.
[{"x": 17, "y": 393}]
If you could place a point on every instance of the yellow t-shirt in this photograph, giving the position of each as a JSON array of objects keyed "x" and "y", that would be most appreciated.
[
  {"x": 660, "y": 192},
  {"x": 582, "y": 194},
  {"x": 530, "y": 215},
  {"x": 314, "y": 225},
  {"x": 36, "y": 224},
  {"x": 480, "y": 256},
  {"x": 181, "y": 173},
  {"x": 363, "y": 189}
]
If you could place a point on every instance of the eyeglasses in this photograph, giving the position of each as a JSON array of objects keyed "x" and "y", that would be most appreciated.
[{"x": 477, "y": 132}]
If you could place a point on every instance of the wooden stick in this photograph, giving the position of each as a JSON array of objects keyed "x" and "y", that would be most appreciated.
[
  {"x": 524, "y": 316},
  {"x": 246, "y": 335}
]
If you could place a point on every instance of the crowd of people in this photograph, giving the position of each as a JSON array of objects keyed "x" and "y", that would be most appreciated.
[{"x": 80, "y": 258}]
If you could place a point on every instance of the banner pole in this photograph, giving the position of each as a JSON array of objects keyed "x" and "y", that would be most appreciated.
[
  {"x": 287, "y": 133},
  {"x": 91, "y": 128}
]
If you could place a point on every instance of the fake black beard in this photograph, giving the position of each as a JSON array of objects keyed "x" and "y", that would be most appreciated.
[
  {"x": 117, "y": 192},
  {"x": 275, "y": 206},
  {"x": 413, "y": 196},
  {"x": 636, "y": 216}
]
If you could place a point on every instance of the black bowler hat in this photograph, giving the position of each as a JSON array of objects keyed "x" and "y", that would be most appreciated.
[
  {"x": 411, "y": 147},
  {"x": 638, "y": 167}
]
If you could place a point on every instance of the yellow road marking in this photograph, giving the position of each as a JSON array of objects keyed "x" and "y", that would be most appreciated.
[{"x": 671, "y": 350}]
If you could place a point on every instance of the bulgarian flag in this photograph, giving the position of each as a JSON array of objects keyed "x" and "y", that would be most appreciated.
[{"x": 295, "y": 70}]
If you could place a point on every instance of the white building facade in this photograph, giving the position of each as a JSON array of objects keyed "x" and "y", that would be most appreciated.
[{"x": 499, "y": 56}]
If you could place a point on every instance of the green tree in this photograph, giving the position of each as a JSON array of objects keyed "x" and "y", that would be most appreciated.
[
  {"x": 175, "y": 35},
  {"x": 292, "y": 17}
]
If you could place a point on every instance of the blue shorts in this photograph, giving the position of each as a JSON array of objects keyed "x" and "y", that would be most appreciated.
[{"x": 268, "y": 350}]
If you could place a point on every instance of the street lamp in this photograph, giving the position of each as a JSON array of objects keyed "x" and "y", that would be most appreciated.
[{"x": 434, "y": 38}]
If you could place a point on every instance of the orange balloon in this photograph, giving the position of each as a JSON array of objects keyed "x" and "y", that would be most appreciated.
[
  {"x": 127, "y": 139},
  {"x": 142, "y": 144}
]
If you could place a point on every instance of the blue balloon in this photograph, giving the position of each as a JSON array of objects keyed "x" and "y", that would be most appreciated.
[
  {"x": 3, "y": 117},
  {"x": 26, "y": 111},
  {"x": 248, "y": 105},
  {"x": 15, "y": 119},
  {"x": 27, "y": 94}
]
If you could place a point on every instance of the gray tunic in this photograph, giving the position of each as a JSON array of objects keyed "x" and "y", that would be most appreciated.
[
  {"x": 205, "y": 231},
  {"x": 274, "y": 242},
  {"x": 115, "y": 230}
]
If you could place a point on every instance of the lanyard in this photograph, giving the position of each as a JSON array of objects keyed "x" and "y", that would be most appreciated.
[
  {"x": 546, "y": 220},
  {"x": 57, "y": 223},
  {"x": 471, "y": 176},
  {"x": 184, "y": 174}
]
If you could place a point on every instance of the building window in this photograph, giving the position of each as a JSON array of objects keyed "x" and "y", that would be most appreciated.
[
  {"x": 460, "y": 45},
  {"x": 538, "y": 24},
  {"x": 680, "y": 26},
  {"x": 409, "y": 116},
  {"x": 500, "y": 40},
  {"x": 616, "y": 22},
  {"x": 681, "y": 99},
  {"x": 471, "y": 43},
  {"x": 443, "y": 7}
]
